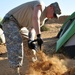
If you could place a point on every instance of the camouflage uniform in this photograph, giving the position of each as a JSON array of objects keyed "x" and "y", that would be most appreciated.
[{"x": 14, "y": 43}]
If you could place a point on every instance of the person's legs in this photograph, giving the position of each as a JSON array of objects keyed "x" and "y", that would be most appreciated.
[{"x": 14, "y": 45}]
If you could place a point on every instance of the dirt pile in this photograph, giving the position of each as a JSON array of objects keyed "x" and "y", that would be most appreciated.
[{"x": 51, "y": 65}]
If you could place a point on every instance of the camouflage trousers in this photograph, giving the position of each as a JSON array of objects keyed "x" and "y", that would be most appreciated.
[{"x": 14, "y": 44}]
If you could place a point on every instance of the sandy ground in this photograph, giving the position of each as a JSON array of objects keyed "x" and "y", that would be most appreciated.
[{"x": 48, "y": 47}]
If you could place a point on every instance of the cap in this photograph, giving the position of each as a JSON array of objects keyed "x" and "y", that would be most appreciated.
[{"x": 57, "y": 9}]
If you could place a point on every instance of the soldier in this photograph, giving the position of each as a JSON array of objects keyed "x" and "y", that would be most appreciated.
[{"x": 30, "y": 15}]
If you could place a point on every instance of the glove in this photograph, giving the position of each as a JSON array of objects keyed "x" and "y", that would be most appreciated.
[
  {"x": 31, "y": 44},
  {"x": 39, "y": 40}
]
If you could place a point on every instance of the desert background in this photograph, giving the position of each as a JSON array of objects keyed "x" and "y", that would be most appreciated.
[{"x": 49, "y": 62}]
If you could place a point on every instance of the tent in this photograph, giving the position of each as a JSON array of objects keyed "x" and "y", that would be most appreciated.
[{"x": 66, "y": 37}]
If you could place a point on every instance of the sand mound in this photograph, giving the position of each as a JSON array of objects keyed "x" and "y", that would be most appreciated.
[{"x": 51, "y": 66}]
